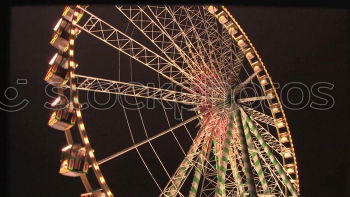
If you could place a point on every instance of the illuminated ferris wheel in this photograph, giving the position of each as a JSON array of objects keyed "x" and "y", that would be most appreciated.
[{"x": 239, "y": 147}]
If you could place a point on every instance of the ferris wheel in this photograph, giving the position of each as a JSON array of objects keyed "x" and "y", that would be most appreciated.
[{"x": 241, "y": 144}]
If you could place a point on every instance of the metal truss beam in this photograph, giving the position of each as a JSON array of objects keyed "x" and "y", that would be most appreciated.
[
  {"x": 127, "y": 45},
  {"x": 94, "y": 84}
]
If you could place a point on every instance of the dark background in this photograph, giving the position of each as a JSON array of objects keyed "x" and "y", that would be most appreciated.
[{"x": 306, "y": 45}]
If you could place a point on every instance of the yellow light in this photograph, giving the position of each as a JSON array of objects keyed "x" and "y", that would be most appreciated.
[
  {"x": 86, "y": 140},
  {"x": 71, "y": 63},
  {"x": 280, "y": 124},
  {"x": 57, "y": 25},
  {"x": 81, "y": 127},
  {"x": 48, "y": 75},
  {"x": 71, "y": 52},
  {"x": 264, "y": 82},
  {"x": 78, "y": 113},
  {"x": 54, "y": 39},
  {"x": 66, "y": 148},
  {"x": 256, "y": 68},
  {"x": 72, "y": 31},
  {"x": 52, "y": 120},
  {"x": 71, "y": 41},
  {"x": 249, "y": 55},
  {"x": 223, "y": 19},
  {"x": 109, "y": 193},
  {"x": 96, "y": 166},
  {"x": 56, "y": 101},
  {"x": 270, "y": 96},
  {"x": 275, "y": 110},
  {"x": 102, "y": 180},
  {"x": 287, "y": 155},
  {"x": 212, "y": 9},
  {"x": 53, "y": 59},
  {"x": 72, "y": 75},
  {"x": 66, "y": 48},
  {"x": 232, "y": 31},
  {"x": 241, "y": 43},
  {"x": 76, "y": 99},
  {"x": 284, "y": 139},
  {"x": 290, "y": 170},
  {"x": 66, "y": 10},
  {"x": 91, "y": 153}
]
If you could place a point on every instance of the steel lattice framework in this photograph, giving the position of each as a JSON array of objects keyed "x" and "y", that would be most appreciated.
[{"x": 239, "y": 150}]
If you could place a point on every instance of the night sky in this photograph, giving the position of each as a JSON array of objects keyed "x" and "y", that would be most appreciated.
[{"x": 306, "y": 45}]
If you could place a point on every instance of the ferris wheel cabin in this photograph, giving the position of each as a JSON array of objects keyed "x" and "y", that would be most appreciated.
[
  {"x": 74, "y": 161},
  {"x": 61, "y": 30},
  {"x": 58, "y": 74},
  {"x": 62, "y": 119}
]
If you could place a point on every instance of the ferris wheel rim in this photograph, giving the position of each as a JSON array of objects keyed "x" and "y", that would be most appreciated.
[{"x": 269, "y": 78}]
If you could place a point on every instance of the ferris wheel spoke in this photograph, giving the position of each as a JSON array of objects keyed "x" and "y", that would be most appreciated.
[
  {"x": 259, "y": 116},
  {"x": 199, "y": 143},
  {"x": 236, "y": 167},
  {"x": 87, "y": 83},
  {"x": 153, "y": 137},
  {"x": 180, "y": 43},
  {"x": 248, "y": 80},
  {"x": 137, "y": 150},
  {"x": 206, "y": 172},
  {"x": 199, "y": 38},
  {"x": 274, "y": 180},
  {"x": 185, "y": 126},
  {"x": 140, "y": 19},
  {"x": 197, "y": 43},
  {"x": 175, "y": 182},
  {"x": 276, "y": 165},
  {"x": 127, "y": 45},
  {"x": 160, "y": 38},
  {"x": 194, "y": 42},
  {"x": 214, "y": 41},
  {"x": 254, "y": 158},
  {"x": 270, "y": 140},
  {"x": 169, "y": 22},
  {"x": 245, "y": 154},
  {"x": 230, "y": 58},
  {"x": 210, "y": 168},
  {"x": 199, "y": 168},
  {"x": 224, "y": 151},
  {"x": 183, "y": 22},
  {"x": 235, "y": 171},
  {"x": 151, "y": 145},
  {"x": 270, "y": 173},
  {"x": 252, "y": 99},
  {"x": 240, "y": 167}
]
